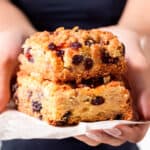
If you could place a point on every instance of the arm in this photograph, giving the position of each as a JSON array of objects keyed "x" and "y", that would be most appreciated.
[
  {"x": 136, "y": 16},
  {"x": 11, "y": 18},
  {"x": 14, "y": 28}
]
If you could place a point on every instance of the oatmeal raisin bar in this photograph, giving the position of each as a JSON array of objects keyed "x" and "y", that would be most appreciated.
[
  {"x": 64, "y": 104},
  {"x": 73, "y": 54}
]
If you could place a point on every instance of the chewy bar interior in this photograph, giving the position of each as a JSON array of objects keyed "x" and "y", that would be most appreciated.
[
  {"x": 73, "y": 75},
  {"x": 73, "y": 54}
]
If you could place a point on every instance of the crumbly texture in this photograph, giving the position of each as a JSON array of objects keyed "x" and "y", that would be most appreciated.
[
  {"x": 61, "y": 104},
  {"x": 73, "y": 75},
  {"x": 73, "y": 54}
]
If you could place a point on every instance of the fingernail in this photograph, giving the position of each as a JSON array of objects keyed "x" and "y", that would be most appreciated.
[
  {"x": 113, "y": 132},
  {"x": 95, "y": 137}
]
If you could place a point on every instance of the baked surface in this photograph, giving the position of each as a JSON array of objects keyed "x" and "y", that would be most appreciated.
[
  {"x": 62, "y": 104},
  {"x": 73, "y": 54}
]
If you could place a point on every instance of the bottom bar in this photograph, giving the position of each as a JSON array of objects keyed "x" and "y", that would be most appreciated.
[{"x": 61, "y": 104}]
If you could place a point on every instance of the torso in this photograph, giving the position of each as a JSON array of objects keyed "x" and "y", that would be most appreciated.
[{"x": 49, "y": 14}]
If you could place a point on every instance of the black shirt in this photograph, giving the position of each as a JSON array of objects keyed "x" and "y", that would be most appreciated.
[{"x": 49, "y": 14}]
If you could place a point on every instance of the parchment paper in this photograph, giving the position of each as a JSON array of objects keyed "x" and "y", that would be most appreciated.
[{"x": 14, "y": 125}]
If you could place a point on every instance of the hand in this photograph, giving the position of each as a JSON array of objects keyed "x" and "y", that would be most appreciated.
[
  {"x": 116, "y": 136},
  {"x": 10, "y": 47},
  {"x": 138, "y": 76}
]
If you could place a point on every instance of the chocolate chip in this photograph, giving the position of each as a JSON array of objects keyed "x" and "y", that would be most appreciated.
[
  {"x": 98, "y": 100},
  {"x": 36, "y": 106},
  {"x": 76, "y": 45},
  {"x": 77, "y": 59},
  {"x": 123, "y": 49},
  {"x": 89, "y": 42},
  {"x": 29, "y": 57},
  {"x": 88, "y": 63},
  {"x": 118, "y": 117},
  {"x": 60, "y": 53},
  {"x": 52, "y": 46},
  {"x": 107, "y": 59}
]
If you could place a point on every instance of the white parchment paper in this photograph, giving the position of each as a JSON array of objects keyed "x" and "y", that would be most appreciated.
[{"x": 14, "y": 125}]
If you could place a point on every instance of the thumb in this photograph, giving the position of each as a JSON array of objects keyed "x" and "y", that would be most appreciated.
[{"x": 4, "y": 88}]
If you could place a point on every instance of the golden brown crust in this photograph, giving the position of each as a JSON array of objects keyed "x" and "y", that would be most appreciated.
[{"x": 73, "y": 54}]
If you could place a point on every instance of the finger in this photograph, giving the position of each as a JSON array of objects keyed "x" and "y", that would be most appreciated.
[
  {"x": 130, "y": 133},
  {"x": 136, "y": 132},
  {"x": 102, "y": 137},
  {"x": 87, "y": 140},
  {"x": 4, "y": 88}
]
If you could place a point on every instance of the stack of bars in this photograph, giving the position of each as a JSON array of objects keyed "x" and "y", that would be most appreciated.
[{"x": 73, "y": 75}]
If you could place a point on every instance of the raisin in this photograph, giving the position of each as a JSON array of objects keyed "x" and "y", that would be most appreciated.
[
  {"x": 89, "y": 42},
  {"x": 29, "y": 57},
  {"x": 52, "y": 46},
  {"x": 118, "y": 117},
  {"x": 76, "y": 45},
  {"x": 88, "y": 64},
  {"x": 36, "y": 106},
  {"x": 98, "y": 100},
  {"x": 77, "y": 59},
  {"x": 107, "y": 59},
  {"x": 60, "y": 53}
]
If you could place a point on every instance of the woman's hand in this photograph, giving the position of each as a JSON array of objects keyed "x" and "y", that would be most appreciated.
[
  {"x": 116, "y": 136},
  {"x": 138, "y": 77},
  {"x": 10, "y": 47},
  {"x": 131, "y": 133},
  {"x": 14, "y": 28}
]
